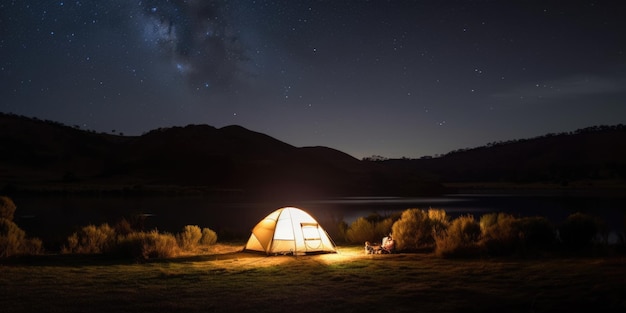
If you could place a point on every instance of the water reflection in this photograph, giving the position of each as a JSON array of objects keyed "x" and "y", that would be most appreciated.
[
  {"x": 53, "y": 219},
  {"x": 389, "y": 200}
]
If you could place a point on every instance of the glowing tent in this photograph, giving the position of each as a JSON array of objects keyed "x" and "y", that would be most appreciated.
[{"x": 289, "y": 231}]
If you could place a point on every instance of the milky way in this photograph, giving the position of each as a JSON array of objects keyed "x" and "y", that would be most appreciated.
[
  {"x": 391, "y": 78},
  {"x": 198, "y": 37}
]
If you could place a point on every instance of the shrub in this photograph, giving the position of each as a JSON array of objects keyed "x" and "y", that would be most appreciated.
[
  {"x": 374, "y": 218},
  {"x": 123, "y": 227},
  {"x": 578, "y": 230},
  {"x": 361, "y": 230},
  {"x": 370, "y": 228},
  {"x": 32, "y": 246},
  {"x": 7, "y": 208},
  {"x": 499, "y": 233},
  {"x": 189, "y": 238},
  {"x": 161, "y": 245},
  {"x": 11, "y": 237},
  {"x": 504, "y": 234},
  {"x": 439, "y": 221},
  {"x": 488, "y": 220},
  {"x": 13, "y": 241},
  {"x": 143, "y": 246},
  {"x": 130, "y": 246},
  {"x": 535, "y": 232},
  {"x": 413, "y": 230},
  {"x": 383, "y": 227},
  {"x": 460, "y": 239},
  {"x": 342, "y": 230},
  {"x": 91, "y": 240},
  {"x": 209, "y": 237}
]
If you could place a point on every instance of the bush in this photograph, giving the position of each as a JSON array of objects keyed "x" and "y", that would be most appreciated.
[
  {"x": 460, "y": 239},
  {"x": 439, "y": 221},
  {"x": 361, "y": 230},
  {"x": 91, "y": 240},
  {"x": 504, "y": 234},
  {"x": 161, "y": 245},
  {"x": 342, "y": 230},
  {"x": 578, "y": 230},
  {"x": 11, "y": 238},
  {"x": 132, "y": 244},
  {"x": 32, "y": 246},
  {"x": 143, "y": 246},
  {"x": 189, "y": 238},
  {"x": 370, "y": 228},
  {"x": 209, "y": 237},
  {"x": 383, "y": 228},
  {"x": 13, "y": 241},
  {"x": 499, "y": 233},
  {"x": 7, "y": 208},
  {"x": 413, "y": 230},
  {"x": 535, "y": 232},
  {"x": 123, "y": 227}
]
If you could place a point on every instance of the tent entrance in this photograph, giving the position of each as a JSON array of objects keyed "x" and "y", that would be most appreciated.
[{"x": 312, "y": 236}]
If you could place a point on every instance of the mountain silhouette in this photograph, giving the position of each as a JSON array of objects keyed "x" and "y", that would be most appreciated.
[
  {"x": 232, "y": 161},
  {"x": 591, "y": 157}
]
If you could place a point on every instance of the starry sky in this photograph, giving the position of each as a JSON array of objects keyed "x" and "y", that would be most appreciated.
[{"x": 389, "y": 78}]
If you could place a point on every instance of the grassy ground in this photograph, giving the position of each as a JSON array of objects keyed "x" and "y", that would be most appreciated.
[{"x": 225, "y": 280}]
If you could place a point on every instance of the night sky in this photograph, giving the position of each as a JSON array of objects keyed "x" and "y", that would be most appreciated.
[{"x": 390, "y": 78}]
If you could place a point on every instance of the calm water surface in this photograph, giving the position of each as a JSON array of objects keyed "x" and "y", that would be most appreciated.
[{"x": 53, "y": 219}]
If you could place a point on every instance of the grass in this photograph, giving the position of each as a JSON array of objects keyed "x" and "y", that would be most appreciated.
[{"x": 224, "y": 280}]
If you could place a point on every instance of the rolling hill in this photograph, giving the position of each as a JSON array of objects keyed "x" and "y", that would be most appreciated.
[
  {"x": 45, "y": 156},
  {"x": 591, "y": 155},
  {"x": 41, "y": 156}
]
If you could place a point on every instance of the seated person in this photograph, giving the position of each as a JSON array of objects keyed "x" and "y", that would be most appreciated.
[
  {"x": 370, "y": 249},
  {"x": 389, "y": 245}
]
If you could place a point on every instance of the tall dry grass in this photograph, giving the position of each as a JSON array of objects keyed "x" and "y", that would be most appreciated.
[
  {"x": 361, "y": 230},
  {"x": 417, "y": 228},
  {"x": 461, "y": 239},
  {"x": 7, "y": 208},
  {"x": 91, "y": 239},
  {"x": 122, "y": 241},
  {"x": 413, "y": 230},
  {"x": 370, "y": 228},
  {"x": 500, "y": 233},
  {"x": 579, "y": 230},
  {"x": 13, "y": 240},
  {"x": 209, "y": 237},
  {"x": 189, "y": 238},
  {"x": 147, "y": 245}
]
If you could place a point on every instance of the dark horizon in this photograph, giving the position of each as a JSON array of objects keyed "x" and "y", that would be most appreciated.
[
  {"x": 45, "y": 156},
  {"x": 374, "y": 157}
]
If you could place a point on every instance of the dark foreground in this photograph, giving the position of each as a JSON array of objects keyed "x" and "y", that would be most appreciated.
[{"x": 346, "y": 282}]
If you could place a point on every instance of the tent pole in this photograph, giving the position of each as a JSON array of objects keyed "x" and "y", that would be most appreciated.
[{"x": 293, "y": 231}]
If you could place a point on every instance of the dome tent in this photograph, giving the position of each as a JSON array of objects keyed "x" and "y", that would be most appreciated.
[{"x": 289, "y": 230}]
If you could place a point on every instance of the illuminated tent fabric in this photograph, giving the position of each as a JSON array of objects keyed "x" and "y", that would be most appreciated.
[{"x": 289, "y": 231}]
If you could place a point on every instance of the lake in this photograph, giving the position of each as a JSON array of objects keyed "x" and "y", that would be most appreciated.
[{"x": 53, "y": 219}]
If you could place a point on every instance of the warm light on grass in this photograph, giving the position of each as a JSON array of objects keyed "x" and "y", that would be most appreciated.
[{"x": 228, "y": 280}]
